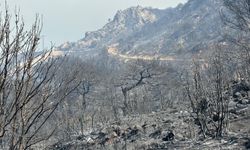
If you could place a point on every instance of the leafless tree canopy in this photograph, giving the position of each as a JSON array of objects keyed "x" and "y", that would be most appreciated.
[
  {"x": 238, "y": 15},
  {"x": 30, "y": 89}
]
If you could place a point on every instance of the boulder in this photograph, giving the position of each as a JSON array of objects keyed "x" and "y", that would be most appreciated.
[
  {"x": 237, "y": 95},
  {"x": 247, "y": 144},
  {"x": 80, "y": 137},
  {"x": 167, "y": 136},
  {"x": 131, "y": 134},
  {"x": 117, "y": 130},
  {"x": 60, "y": 146},
  {"x": 241, "y": 88},
  {"x": 244, "y": 101},
  {"x": 241, "y": 106}
]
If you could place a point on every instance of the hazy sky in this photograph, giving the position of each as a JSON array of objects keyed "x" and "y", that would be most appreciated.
[{"x": 68, "y": 20}]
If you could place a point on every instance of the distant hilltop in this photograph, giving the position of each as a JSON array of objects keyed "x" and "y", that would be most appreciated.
[{"x": 186, "y": 30}]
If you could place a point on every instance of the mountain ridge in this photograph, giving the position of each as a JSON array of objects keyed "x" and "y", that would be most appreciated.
[{"x": 182, "y": 31}]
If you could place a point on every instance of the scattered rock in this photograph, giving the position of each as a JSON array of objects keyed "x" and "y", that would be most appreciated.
[
  {"x": 61, "y": 146},
  {"x": 167, "y": 120},
  {"x": 144, "y": 127},
  {"x": 241, "y": 86},
  {"x": 156, "y": 134},
  {"x": 167, "y": 136},
  {"x": 237, "y": 95},
  {"x": 90, "y": 140},
  {"x": 241, "y": 106},
  {"x": 117, "y": 130},
  {"x": 244, "y": 101},
  {"x": 81, "y": 137},
  {"x": 247, "y": 144}
]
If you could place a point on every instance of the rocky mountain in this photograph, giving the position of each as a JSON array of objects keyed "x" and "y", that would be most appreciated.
[{"x": 185, "y": 30}]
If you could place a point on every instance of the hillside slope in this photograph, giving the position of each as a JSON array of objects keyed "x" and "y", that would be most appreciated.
[{"x": 185, "y": 30}]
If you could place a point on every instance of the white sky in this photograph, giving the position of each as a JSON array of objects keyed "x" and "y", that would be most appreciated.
[{"x": 68, "y": 20}]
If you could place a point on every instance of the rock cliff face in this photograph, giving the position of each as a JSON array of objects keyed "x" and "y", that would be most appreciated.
[
  {"x": 124, "y": 23},
  {"x": 186, "y": 30}
]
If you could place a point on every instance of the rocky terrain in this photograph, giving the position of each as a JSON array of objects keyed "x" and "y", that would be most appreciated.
[
  {"x": 150, "y": 79},
  {"x": 173, "y": 34},
  {"x": 184, "y": 31},
  {"x": 170, "y": 129}
]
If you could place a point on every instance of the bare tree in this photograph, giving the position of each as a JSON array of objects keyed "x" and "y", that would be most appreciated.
[
  {"x": 29, "y": 90},
  {"x": 208, "y": 91},
  {"x": 208, "y": 96},
  {"x": 236, "y": 16},
  {"x": 139, "y": 74}
]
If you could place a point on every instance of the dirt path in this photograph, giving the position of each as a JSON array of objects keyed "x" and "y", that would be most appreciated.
[{"x": 114, "y": 52}]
